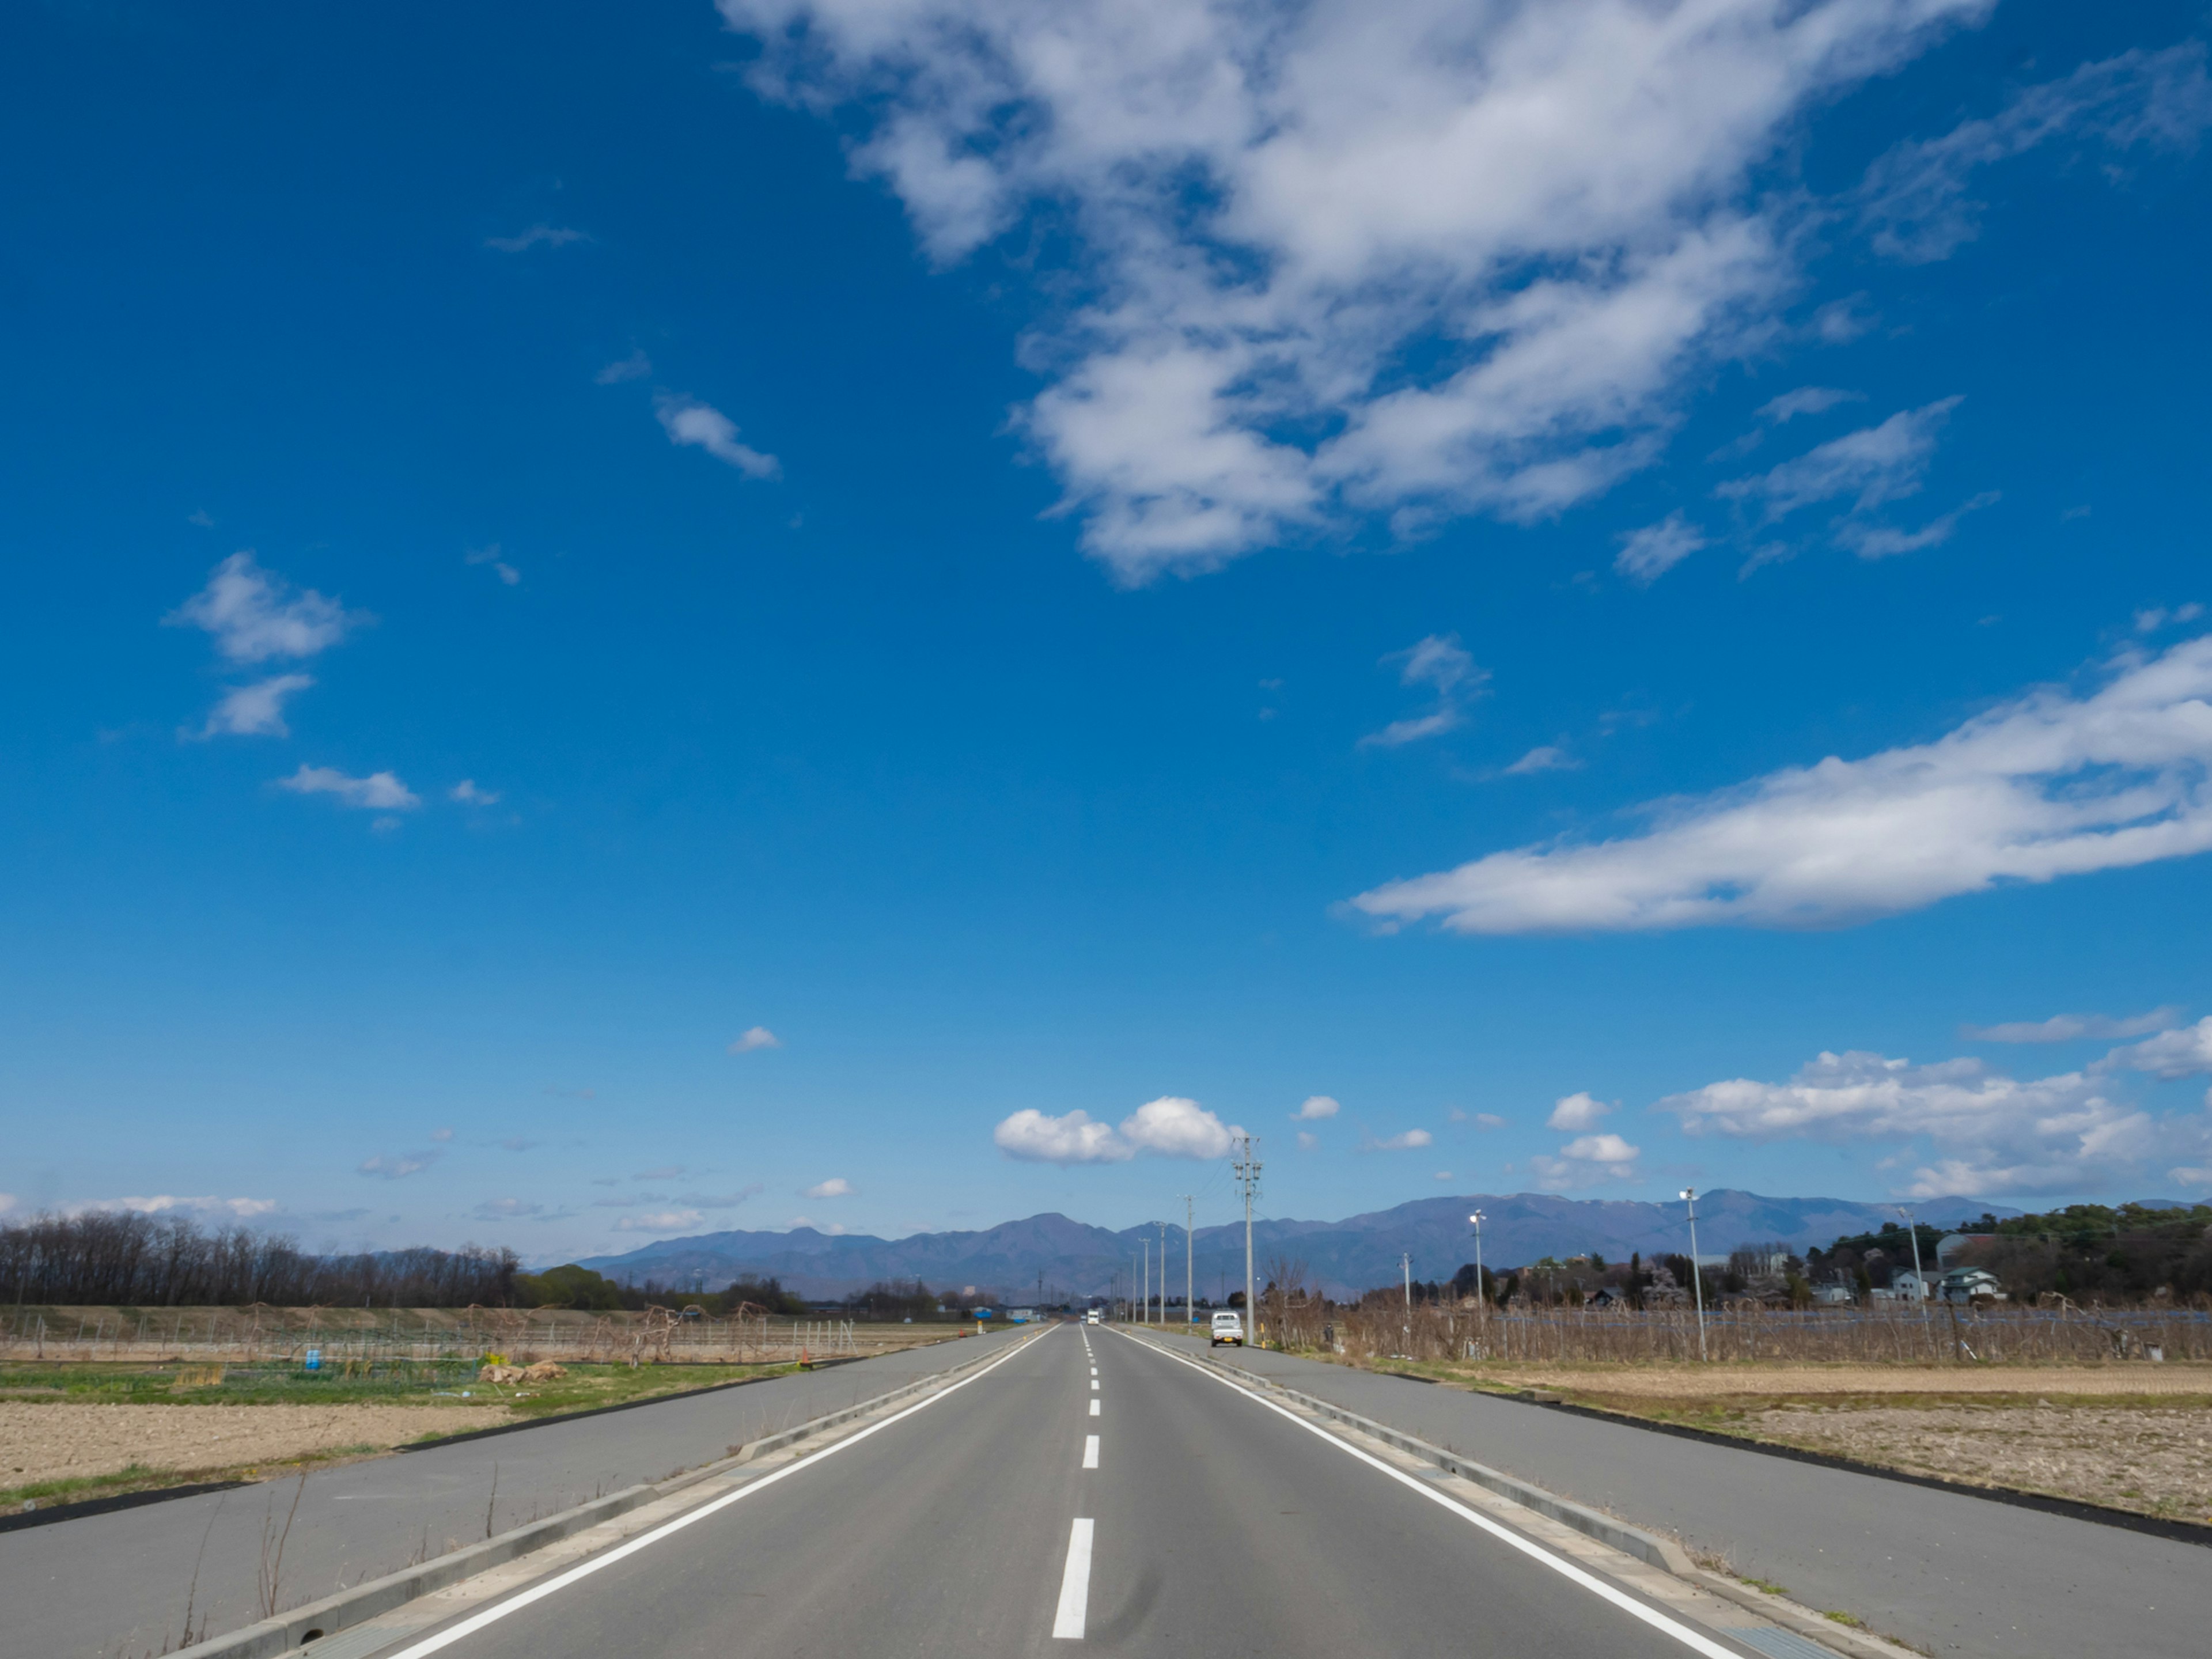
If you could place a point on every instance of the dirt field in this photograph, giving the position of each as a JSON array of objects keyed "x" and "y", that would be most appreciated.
[
  {"x": 2155, "y": 1459},
  {"x": 57, "y": 1442}
]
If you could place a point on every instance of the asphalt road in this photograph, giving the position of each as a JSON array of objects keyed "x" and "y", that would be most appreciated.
[
  {"x": 115, "y": 1586},
  {"x": 1088, "y": 1490},
  {"x": 1949, "y": 1573}
]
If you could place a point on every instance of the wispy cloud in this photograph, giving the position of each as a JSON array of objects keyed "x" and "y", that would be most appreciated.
[
  {"x": 2047, "y": 784},
  {"x": 1805, "y": 400},
  {"x": 659, "y": 1221},
  {"x": 753, "y": 1039},
  {"x": 1545, "y": 757},
  {"x": 1873, "y": 541},
  {"x": 1914, "y": 201},
  {"x": 1874, "y": 465},
  {"x": 635, "y": 366},
  {"x": 237, "y": 1209},
  {"x": 490, "y": 555},
  {"x": 1649, "y": 553},
  {"x": 1992, "y": 1134},
  {"x": 397, "y": 1166},
  {"x": 1439, "y": 663},
  {"x": 254, "y": 614},
  {"x": 1555, "y": 212},
  {"x": 538, "y": 235},
  {"x": 468, "y": 794},
  {"x": 2070, "y": 1028},
  {"x": 255, "y": 710},
  {"x": 700, "y": 426},
  {"x": 380, "y": 792},
  {"x": 722, "y": 1201},
  {"x": 835, "y": 1186}
]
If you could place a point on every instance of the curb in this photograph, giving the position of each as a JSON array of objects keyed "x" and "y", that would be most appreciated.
[
  {"x": 318, "y": 1620},
  {"x": 128, "y": 1500}
]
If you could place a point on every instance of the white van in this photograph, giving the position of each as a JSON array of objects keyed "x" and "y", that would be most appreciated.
[
  {"x": 1228, "y": 1327},
  {"x": 1091, "y": 1318}
]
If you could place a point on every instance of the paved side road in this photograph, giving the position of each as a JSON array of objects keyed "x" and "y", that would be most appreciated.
[
  {"x": 1088, "y": 1493},
  {"x": 115, "y": 1586},
  {"x": 1946, "y": 1572}
]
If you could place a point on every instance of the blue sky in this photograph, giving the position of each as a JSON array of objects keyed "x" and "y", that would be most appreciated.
[{"x": 1610, "y": 589}]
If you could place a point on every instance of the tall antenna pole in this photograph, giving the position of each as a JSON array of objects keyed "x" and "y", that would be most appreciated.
[
  {"x": 1696, "y": 1280},
  {"x": 1189, "y": 1272},
  {"x": 1248, "y": 1177}
]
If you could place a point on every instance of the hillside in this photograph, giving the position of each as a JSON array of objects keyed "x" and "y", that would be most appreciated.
[{"x": 1358, "y": 1253}]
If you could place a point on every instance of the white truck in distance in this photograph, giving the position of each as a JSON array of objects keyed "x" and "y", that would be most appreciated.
[{"x": 1228, "y": 1327}]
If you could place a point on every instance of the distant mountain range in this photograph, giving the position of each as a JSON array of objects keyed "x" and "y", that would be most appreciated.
[{"x": 1071, "y": 1258}]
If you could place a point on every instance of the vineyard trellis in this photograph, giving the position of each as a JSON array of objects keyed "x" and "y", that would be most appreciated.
[{"x": 1903, "y": 1335}]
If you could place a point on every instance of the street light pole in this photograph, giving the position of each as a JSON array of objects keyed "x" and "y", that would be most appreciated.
[
  {"x": 1189, "y": 1272},
  {"x": 1163, "y": 1226},
  {"x": 1248, "y": 1177},
  {"x": 1697, "y": 1277}
]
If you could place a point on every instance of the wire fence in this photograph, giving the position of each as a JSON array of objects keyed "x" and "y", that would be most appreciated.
[{"x": 1905, "y": 1335}]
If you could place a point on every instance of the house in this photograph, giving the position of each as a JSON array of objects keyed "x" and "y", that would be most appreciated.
[
  {"x": 1907, "y": 1286},
  {"x": 1832, "y": 1295},
  {"x": 1970, "y": 1284},
  {"x": 1607, "y": 1296}
]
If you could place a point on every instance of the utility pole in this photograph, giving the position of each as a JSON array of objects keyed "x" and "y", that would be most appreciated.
[
  {"x": 1247, "y": 1168},
  {"x": 1696, "y": 1280},
  {"x": 1189, "y": 1272},
  {"x": 1913, "y": 1225},
  {"x": 1406, "y": 1261},
  {"x": 1482, "y": 1290},
  {"x": 1144, "y": 1287}
]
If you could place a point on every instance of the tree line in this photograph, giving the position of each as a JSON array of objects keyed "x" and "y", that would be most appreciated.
[{"x": 111, "y": 1258}]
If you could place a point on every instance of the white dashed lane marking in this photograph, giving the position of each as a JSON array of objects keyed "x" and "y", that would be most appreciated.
[{"x": 1074, "y": 1584}]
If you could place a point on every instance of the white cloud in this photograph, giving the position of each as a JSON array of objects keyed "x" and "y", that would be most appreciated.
[
  {"x": 1171, "y": 1126},
  {"x": 1480, "y": 1120},
  {"x": 1649, "y": 553},
  {"x": 2184, "y": 1053},
  {"x": 1993, "y": 1133},
  {"x": 1437, "y": 662},
  {"x": 1405, "y": 1142},
  {"x": 539, "y": 235},
  {"x": 659, "y": 1221},
  {"x": 2050, "y": 784},
  {"x": 1875, "y": 465},
  {"x": 835, "y": 1186},
  {"x": 1585, "y": 1161},
  {"x": 1550, "y": 209},
  {"x": 745, "y": 1195},
  {"x": 1545, "y": 757},
  {"x": 1307, "y": 1140},
  {"x": 380, "y": 792},
  {"x": 1442, "y": 1175},
  {"x": 254, "y": 615},
  {"x": 755, "y": 1038},
  {"x": 1177, "y": 1128},
  {"x": 1806, "y": 400},
  {"x": 398, "y": 1165},
  {"x": 241, "y": 1209},
  {"x": 469, "y": 794},
  {"x": 1914, "y": 200},
  {"x": 1576, "y": 1111},
  {"x": 688, "y": 421},
  {"x": 1316, "y": 1106},
  {"x": 635, "y": 366},
  {"x": 2068, "y": 1028},
  {"x": 255, "y": 710},
  {"x": 441, "y": 1134},
  {"x": 1072, "y": 1138},
  {"x": 490, "y": 555}
]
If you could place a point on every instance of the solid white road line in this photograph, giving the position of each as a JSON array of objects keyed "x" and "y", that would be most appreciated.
[
  {"x": 470, "y": 1626},
  {"x": 1094, "y": 1408},
  {"x": 1681, "y": 1632},
  {"x": 1074, "y": 1584},
  {"x": 1090, "y": 1451}
]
